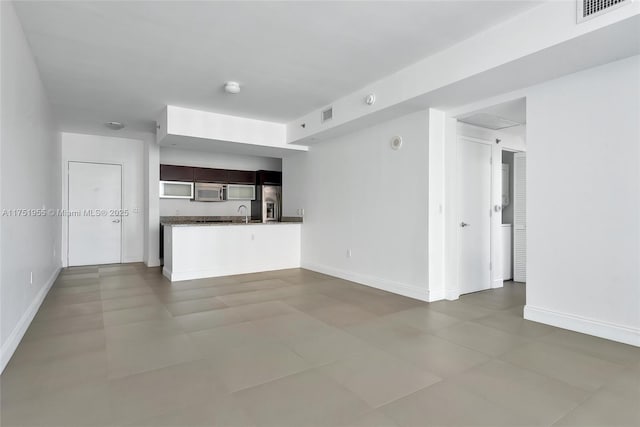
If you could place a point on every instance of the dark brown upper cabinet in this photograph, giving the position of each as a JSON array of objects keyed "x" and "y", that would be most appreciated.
[
  {"x": 176, "y": 173},
  {"x": 211, "y": 175},
  {"x": 241, "y": 177},
  {"x": 221, "y": 176},
  {"x": 269, "y": 178}
]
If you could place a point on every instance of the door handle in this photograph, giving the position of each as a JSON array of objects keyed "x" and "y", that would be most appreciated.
[
  {"x": 116, "y": 220},
  {"x": 464, "y": 224}
]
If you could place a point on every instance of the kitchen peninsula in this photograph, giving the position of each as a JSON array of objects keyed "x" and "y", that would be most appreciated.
[{"x": 197, "y": 250}]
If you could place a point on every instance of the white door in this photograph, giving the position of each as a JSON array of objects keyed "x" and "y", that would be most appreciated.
[
  {"x": 474, "y": 189},
  {"x": 520, "y": 217},
  {"x": 95, "y": 199}
]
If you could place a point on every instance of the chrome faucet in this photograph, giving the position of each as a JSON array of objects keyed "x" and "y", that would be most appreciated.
[{"x": 246, "y": 213}]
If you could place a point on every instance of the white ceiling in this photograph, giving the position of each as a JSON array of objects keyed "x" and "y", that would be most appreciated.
[{"x": 123, "y": 61}]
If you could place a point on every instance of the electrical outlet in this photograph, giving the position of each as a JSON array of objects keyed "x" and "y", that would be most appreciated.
[{"x": 348, "y": 253}]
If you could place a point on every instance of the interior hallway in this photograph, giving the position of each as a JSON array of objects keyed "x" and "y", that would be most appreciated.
[{"x": 119, "y": 345}]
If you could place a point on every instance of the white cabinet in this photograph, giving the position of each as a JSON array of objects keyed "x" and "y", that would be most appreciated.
[
  {"x": 176, "y": 190},
  {"x": 507, "y": 270},
  {"x": 241, "y": 192},
  {"x": 200, "y": 251}
]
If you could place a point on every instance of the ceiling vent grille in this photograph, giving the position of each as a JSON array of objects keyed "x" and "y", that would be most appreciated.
[
  {"x": 588, "y": 9},
  {"x": 327, "y": 114}
]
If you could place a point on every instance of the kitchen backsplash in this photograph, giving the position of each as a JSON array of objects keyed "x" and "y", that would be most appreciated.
[{"x": 181, "y": 207}]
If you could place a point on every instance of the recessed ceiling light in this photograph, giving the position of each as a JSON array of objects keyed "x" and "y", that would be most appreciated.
[
  {"x": 232, "y": 87},
  {"x": 114, "y": 125}
]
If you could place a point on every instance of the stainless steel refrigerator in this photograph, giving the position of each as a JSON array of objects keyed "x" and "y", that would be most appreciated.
[{"x": 267, "y": 207}]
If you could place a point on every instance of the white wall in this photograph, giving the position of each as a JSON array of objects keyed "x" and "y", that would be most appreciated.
[
  {"x": 30, "y": 177},
  {"x": 359, "y": 194},
  {"x": 128, "y": 153},
  {"x": 583, "y": 201},
  {"x": 294, "y": 184},
  {"x": 152, "y": 202},
  {"x": 436, "y": 200},
  {"x": 182, "y": 207},
  {"x": 222, "y": 127},
  {"x": 175, "y": 156}
]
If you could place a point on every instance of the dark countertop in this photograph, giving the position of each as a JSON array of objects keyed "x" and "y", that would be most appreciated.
[{"x": 220, "y": 220}]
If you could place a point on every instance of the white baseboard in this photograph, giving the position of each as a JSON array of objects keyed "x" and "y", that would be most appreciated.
[
  {"x": 452, "y": 294},
  {"x": 166, "y": 273},
  {"x": 11, "y": 344},
  {"x": 584, "y": 325},
  {"x": 436, "y": 294},
  {"x": 153, "y": 262},
  {"x": 498, "y": 283},
  {"x": 403, "y": 289}
]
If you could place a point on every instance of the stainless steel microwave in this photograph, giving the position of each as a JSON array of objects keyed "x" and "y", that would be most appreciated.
[{"x": 207, "y": 192}]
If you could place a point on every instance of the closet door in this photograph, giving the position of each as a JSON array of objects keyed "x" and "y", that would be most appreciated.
[{"x": 520, "y": 217}]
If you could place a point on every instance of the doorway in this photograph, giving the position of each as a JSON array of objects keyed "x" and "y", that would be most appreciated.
[
  {"x": 94, "y": 213},
  {"x": 477, "y": 254},
  {"x": 474, "y": 202}
]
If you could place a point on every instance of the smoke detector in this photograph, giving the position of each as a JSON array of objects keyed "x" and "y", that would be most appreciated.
[
  {"x": 370, "y": 99},
  {"x": 114, "y": 125},
  {"x": 232, "y": 87}
]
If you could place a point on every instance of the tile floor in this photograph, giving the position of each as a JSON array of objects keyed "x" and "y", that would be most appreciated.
[{"x": 121, "y": 346}]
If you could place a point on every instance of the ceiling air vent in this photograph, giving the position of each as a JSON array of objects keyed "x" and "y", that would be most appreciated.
[
  {"x": 488, "y": 121},
  {"x": 588, "y": 9},
  {"x": 327, "y": 114}
]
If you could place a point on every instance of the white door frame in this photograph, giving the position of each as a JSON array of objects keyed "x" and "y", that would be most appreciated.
[{"x": 66, "y": 194}]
